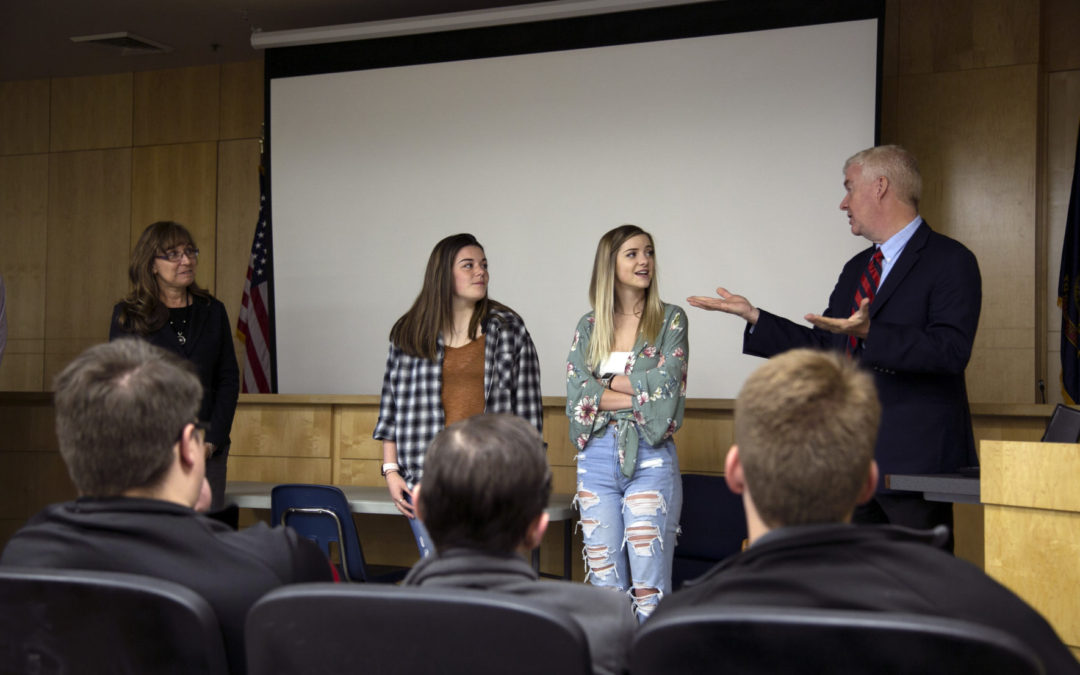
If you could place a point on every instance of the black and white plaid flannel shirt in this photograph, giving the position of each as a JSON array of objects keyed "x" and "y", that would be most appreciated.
[{"x": 411, "y": 412}]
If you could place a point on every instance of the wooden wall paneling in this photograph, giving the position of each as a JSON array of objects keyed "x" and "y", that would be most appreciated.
[
  {"x": 23, "y": 365},
  {"x": 241, "y": 99},
  {"x": 32, "y": 480},
  {"x": 89, "y": 113},
  {"x": 890, "y": 73},
  {"x": 47, "y": 481},
  {"x": 27, "y": 421},
  {"x": 704, "y": 440},
  {"x": 87, "y": 250},
  {"x": 281, "y": 431},
  {"x": 564, "y": 480},
  {"x": 23, "y": 204},
  {"x": 237, "y": 211},
  {"x": 178, "y": 182},
  {"x": 32, "y": 474},
  {"x": 1008, "y": 429},
  {"x": 353, "y": 433},
  {"x": 24, "y": 117},
  {"x": 280, "y": 469},
  {"x": 180, "y": 105},
  {"x": 1063, "y": 120},
  {"x": 1060, "y": 24},
  {"x": 974, "y": 135},
  {"x": 360, "y": 455},
  {"x": 940, "y": 36},
  {"x": 560, "y": 452},
  {"x": 359, "y": 472}
]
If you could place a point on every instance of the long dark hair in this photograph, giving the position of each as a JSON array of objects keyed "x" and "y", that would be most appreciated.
[
  {"x": 142, "y": 311},
  {"x": 417, "y": 332}
]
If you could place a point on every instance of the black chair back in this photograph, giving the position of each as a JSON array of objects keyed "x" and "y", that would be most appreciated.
[
  {"x": 75, "y": 621},
  {"x": 798, "y": 641},
  {"x": 325, "y": 628},
  {"x": 1064, "y": 425},
  {"x": 713, "y": 524}
]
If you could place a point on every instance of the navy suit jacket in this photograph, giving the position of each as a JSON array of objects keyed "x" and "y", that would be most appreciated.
[
  {"x": 209, "y": 346},
  {"x": 922, "y": 326}
]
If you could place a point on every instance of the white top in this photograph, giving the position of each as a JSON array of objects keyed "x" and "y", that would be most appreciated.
[{"x": 615, "y": 364}]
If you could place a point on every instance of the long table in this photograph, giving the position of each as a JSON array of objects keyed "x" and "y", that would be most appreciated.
[{"x": 376, "y": 501}]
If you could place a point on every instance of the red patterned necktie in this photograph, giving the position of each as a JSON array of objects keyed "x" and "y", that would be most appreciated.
[{"x": 868, "y": 284}]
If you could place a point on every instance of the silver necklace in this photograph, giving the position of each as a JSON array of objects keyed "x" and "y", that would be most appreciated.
[{"x": 183, "y": 324}]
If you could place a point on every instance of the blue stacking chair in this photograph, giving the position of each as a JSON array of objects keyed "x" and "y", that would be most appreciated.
[
  {"x": 321, "y": 513},
  {"x": 713, "y": 525}
]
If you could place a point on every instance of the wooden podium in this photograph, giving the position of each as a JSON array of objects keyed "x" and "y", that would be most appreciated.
[{"x": 1031, "y": 497}]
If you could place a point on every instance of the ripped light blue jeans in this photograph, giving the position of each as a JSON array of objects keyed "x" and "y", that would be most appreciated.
[{"x": 629, "y": 524}]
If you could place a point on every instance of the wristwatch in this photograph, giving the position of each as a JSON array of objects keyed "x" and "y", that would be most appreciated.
[{"x": 390, "y": 467}]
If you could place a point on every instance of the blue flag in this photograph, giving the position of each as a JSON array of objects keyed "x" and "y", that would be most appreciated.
[{"x": 1069, "y": 292}]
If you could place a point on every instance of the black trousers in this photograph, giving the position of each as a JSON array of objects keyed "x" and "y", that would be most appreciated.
[{"x": 216, "y": 469}]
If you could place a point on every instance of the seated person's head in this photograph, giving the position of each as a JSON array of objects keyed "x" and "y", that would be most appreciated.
[
  {"x": 125, "y": 414},
  {"x": 486, "y": 484},
  {"x": 805, "y": 427}
]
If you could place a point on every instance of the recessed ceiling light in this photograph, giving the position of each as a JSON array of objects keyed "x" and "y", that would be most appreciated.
[{"x": 128, "y": 43}]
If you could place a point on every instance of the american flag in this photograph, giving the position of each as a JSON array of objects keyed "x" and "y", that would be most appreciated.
[{"x": 255, "y": 325}]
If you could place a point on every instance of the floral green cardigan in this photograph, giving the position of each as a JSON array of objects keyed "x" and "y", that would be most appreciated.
[{"x": 658, "y": 375}]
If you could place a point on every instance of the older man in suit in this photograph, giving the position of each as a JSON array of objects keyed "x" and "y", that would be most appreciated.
[{"x": 906, "y": 308}]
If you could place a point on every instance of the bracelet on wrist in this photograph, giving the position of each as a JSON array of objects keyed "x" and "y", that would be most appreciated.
[{"x": 390, "y": 467}]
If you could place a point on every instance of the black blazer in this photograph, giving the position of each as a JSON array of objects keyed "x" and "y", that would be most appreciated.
[
  {"x": 922, "y": 326},
  {"x": 209, "y": 346}
]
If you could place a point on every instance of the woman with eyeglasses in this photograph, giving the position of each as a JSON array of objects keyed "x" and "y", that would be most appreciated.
[
  {"x": 168, "y": 309},
  {"x": 456, "y": 353}
]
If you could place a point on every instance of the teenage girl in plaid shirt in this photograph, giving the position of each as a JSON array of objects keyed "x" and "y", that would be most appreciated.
[{"x": 456, "y": 353}]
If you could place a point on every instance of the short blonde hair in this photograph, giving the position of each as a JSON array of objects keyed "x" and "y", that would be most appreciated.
[
  {"x": 806, "y": 423},
  {"x": 894, "y": 163}
]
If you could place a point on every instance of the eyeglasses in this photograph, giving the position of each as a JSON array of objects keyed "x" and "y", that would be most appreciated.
[
  {"x": 175, "y": 254},
  {"x": 200, "y": 427}
]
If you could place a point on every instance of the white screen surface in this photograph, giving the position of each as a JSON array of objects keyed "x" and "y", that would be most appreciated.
[{"x": 727, "y": 148}]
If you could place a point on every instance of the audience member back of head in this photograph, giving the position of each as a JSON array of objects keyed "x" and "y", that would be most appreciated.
[
  {"x": 125, "y": 416},
  {"x": 486, "y": 485},
  {"x": 805, "y": 429}
]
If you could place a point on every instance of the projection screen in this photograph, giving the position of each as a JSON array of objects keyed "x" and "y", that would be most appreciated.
[{"x": 727, "y": 147}]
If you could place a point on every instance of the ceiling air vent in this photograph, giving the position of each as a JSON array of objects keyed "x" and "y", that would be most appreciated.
[{"x": 127, "y": 43}]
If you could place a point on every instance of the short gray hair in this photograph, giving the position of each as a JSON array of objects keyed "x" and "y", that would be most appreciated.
[
  {"x": 120, "y": 408},
  {"x": 894, "y": 163}
]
